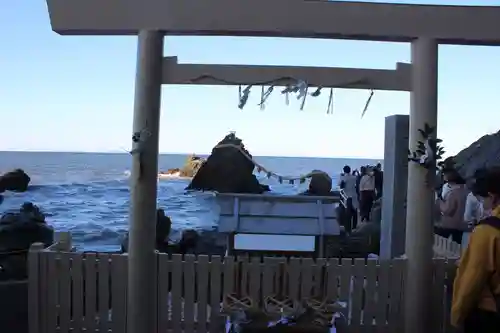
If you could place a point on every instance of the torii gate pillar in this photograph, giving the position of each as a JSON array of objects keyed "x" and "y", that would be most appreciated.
[
  {"x": 420, "y": 204},
  {"x": 141, "y": 309}
]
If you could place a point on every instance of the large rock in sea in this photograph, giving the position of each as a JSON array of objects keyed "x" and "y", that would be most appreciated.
[
  {"x": 229, "y": 169},
  {"x": 18, "y": 231},
  {"x": 16, "y": 181},
  {"x": 484, "y": 153}
]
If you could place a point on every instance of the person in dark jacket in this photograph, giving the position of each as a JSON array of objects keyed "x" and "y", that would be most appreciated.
[
  {"x": 379, "y": 180},
  {"x": 476, "y": 290}
]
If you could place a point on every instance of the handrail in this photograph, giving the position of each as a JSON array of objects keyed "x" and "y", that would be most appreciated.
[{"x": 343, "y": 198}]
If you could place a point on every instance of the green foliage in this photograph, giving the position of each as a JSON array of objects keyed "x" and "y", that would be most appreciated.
[{"x": 429, "y": 150}]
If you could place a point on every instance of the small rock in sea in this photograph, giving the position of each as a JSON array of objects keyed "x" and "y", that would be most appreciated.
[{"x": 15, "y": 181}]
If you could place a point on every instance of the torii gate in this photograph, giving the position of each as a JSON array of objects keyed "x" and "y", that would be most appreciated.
[{"x": 425, "y": 26}]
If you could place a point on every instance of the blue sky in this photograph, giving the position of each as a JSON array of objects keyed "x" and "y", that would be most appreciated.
[{"x": 66, "y": 93}]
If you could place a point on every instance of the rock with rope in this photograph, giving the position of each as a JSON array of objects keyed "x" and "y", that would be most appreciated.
[
  {"x": 18, "y": 231},
  {"x": 16, "y": 181},
  {"x": 228, "y": 169}
]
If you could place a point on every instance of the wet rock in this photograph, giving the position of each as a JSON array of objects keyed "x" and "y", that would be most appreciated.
[
  {"x": 208, "y": 242},
  {"x": 16, "y": 181},
  {"x": 228, "y": 169},
  {"x": 18, "y": 231},
  {"x": 163, "y": 228}
]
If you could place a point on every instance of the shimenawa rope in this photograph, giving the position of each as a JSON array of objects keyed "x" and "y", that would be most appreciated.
[{"x": 261, "y": 168}]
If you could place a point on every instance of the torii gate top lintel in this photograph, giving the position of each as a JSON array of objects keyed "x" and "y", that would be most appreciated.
[
  {"x": 461, "y": 25},
  {"x": 398, "y": 79}
]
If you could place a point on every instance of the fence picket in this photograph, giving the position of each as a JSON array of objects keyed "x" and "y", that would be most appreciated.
[
  {"x": 163, "y": 306},
  {"x": 306, "y": 275},
  {"x": 215, "y": 291},
  {"x": 382, "y": 295},
  {"x": 34, "y": 287},
  {"x": 53, "y": 275},
  {"x": 319, "y": 287},
  {"x": 451, "y": 269},
  {"x": 254, "y": 278},
  {"x": 103, "y": 295},
  {"x": 177, "y": 290},
  {"x": 358, "y": 287},
  {"x": 345, "y": 286},
  {"x": 90, "y": 291},
  {"x": 64, "y": 292},
  {"x": 202, "y": 270},
  {"x": 293, "y": 277},
  {"x": 333, "y": 281},
  {"x": 396, "y": 285},
  {"x": 370, "y": 299},
  {"x": 268, "y": 273},
  {"x": 76, "y": 276},
  {"x": 438, "y": 294},
  {"x": 189, "y": 284},
  {"x": 119, "y": 278}
]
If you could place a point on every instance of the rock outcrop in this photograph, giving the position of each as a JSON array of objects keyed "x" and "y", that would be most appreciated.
[
  {"x": 18, "y": 231},
  {"x": 228, "y": 170},
  {"x": 321, "y": 185},
  {"x": 16, "y": 181},
  {"x": 192, "y": 165},
  {"x": 189, "y": 169},
  {"x": 484, "y": 153},
  {"x": 171, "y": 172}
]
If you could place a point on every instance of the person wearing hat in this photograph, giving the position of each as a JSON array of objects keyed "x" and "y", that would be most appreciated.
[{"x": 476, "y": 289}]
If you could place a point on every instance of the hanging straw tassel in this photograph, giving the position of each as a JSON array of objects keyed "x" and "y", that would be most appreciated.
[
  {"x": 367, "y": 104},
  {"x": 329, "y": 109}
]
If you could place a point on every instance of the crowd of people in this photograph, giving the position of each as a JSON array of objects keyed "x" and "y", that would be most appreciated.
[
  {"x": 362, "y": 188},
  {"x": 472, "y": 205}
]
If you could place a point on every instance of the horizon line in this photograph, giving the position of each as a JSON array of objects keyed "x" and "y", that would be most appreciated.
[{"x": 184, "y": 153}]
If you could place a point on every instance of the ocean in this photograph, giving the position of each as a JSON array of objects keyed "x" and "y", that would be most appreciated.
[{"x": 88, "y": 193}]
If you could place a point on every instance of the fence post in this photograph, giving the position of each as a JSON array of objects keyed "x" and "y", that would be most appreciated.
[
  {"x": 34, "y": 286},
  {"x": 63, "y": 241}
]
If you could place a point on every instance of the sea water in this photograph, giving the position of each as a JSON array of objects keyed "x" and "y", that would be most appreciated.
[{"x": 88, "y": 193}]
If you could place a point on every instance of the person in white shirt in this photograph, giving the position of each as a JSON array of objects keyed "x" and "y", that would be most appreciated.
[
  {"x": 445, "y": 191},
  {"x": 366, "y": 194},
  {"x": 347, "y": 182},
  {"x": 473, "y": 210}
]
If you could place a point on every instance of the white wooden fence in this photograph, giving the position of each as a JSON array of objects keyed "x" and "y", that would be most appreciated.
[
  {"x": 86, "y": 292},
  {"x": 446, "y": 248}
]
